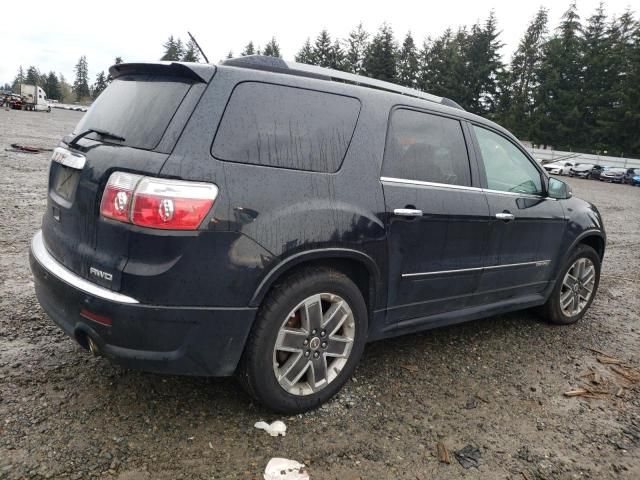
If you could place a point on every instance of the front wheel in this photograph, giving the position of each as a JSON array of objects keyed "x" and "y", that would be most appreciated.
[
  {"x": 307, "y": 340},
  {"x": 575, "y": 288}
]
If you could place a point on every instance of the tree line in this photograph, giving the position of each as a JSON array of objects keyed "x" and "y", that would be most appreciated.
[
  {"x": 574, "y": 88},
  {"x": 56, "y": 86}
]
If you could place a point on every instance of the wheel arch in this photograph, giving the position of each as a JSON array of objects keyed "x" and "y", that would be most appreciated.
[
  {"x": 593, "y": 238},
  {"x": 359, "y": 266}
]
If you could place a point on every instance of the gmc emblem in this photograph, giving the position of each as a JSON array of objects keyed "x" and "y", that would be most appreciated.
[{"x": 100, "y": 274}]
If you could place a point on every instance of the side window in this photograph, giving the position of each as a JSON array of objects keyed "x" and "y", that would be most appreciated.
[
  {"x": 287, "y": 127},
  {"x": 507, "y": 168},
  {"x": 426, "y": 147}
]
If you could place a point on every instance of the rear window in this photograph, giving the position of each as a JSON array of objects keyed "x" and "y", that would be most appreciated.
[
  {"x": 137, "y": 108},
  {"x": 286, "y": 127}
]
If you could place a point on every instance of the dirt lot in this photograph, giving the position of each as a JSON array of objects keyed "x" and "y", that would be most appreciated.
[{"x": 495, "y": 384}]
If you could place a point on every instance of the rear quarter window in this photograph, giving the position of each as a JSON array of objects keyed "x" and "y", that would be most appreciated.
[{"x": 286, "y": 127}]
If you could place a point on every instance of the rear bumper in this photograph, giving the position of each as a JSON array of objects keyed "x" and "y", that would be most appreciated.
[{"x": 167, "y": 339}]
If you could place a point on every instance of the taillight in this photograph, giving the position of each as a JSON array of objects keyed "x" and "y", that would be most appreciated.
[
  {"x": 157, "y": 202},
  {"x": 118, "y": 195}
]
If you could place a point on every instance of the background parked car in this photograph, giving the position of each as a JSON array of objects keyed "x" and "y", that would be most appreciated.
[
  {"x": 630, "y": 174},
  {"x": 559, "y": 168},
  {"x": 596, "y": 171},
  {"x": 613, "y": 174},
  {"x": 635, "y": 181},
  {"x": 582, "y": 170}
]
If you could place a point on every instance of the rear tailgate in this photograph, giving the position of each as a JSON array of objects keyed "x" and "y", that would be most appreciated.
[{"x": 147, "y": 105}]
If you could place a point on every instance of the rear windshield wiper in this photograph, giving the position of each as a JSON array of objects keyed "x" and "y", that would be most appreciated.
[{"x": 102, "y": 133}]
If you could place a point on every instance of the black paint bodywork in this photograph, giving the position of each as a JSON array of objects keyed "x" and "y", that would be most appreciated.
[{"x": 199, "y": 291}]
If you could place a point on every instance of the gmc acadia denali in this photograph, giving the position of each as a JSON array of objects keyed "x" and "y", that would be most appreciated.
[{"x": 267, "y": 219}]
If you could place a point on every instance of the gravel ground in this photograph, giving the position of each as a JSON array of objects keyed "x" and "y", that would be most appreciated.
[{"x": 495, "y": 384}]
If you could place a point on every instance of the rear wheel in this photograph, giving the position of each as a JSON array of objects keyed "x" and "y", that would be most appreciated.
[
  {"x": 307, "y": 340},
  {"x": 576, "y": 287}
]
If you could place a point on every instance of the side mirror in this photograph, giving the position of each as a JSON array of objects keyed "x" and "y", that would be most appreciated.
[{"x": 559, "y": 189}]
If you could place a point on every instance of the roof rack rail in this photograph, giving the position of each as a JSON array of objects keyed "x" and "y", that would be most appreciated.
[{"x": 278, "y": 65}]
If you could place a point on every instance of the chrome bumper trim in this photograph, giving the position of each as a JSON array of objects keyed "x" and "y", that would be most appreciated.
[{"x": 52, "y": 266}]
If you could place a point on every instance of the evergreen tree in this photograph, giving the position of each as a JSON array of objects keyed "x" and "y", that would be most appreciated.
[
  {"x": 323, "y": 50},
  {"x": 81, "y": 83},
  {"x": 100, "y": 85},
  {"x": 305, "y": 55},
  {"x": 173, "y": 50},
  {"x": 337, "y": 59},
  {"x": 248, "y": 50},
  {"x": 52, "y": 87},
  {"x": 230, "y": 54},
  {"x": 33, "y": 76},
  {"x": 519, "y": 84},
  {"x": 191, "y": 53},
  {"x": 408, "y": 62},
  {"x": 358, "y": 43},
  {"x": 380, "y": 60},
  {"x": 559, "y": 106},
  {"x": 272, "y": 49},
  {"x": 599, "y": 80},
  {"x": 623, "y": 119}
]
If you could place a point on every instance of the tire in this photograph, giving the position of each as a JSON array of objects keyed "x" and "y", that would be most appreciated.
[
  {"x": 553, "y": 310},
  {"x": 264, "y": 370}
]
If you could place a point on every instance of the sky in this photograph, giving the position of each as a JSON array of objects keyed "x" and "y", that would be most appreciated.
[{"x": 136, "y": 31}]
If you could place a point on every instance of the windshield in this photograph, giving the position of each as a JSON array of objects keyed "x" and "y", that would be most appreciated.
[{"x": 137, "y": 108}]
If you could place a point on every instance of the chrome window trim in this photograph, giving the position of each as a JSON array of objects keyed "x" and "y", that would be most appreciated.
[
  {"x": 537, "y": 263},
  {"x": 51, "y": 265},
  {"x": 407, "y": 181}
]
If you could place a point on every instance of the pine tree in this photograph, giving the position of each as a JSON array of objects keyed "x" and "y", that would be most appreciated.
[
  {"x": 81, "y": 83},
  {"x": 248, "y": 50},
  {"x": 518, "y": 85},
  {"x": 191, "y": 53},
  {"x": 230, "y": 54},
  {"x": 322, "y": 49},
  {"x": 100, "y": 85},
  {"x": 52, "y": 87},
  {"x": 305, "y": 55},
  {"x": 559, "y": 106},
  {"x": 358, "y": 43},
  {"x": 33, "y": 76},
  {"x": 272, "y": 49},
  {"x": 408, "y": 63},
  {"x": 173, "y": 50},
  {"x": 380, "y": 60},
  {"x": 337, "y": 57}
]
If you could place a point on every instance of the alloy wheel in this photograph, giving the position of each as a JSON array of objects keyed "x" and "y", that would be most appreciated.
[
  {"x": 313, "y": 344},
  {"x": 577, "y": 287}
]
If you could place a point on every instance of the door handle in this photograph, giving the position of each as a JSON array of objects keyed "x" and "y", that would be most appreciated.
[
  {"x": 505, "y": 216},
  {"x": 407, "y": 212}
]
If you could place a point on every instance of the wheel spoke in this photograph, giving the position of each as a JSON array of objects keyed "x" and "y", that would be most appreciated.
[
  {"x": 566, "y": 298},
  {"x": 334, "y": 318},
  {"x": 589, "y": 275},
  {"x": 338, "y": 346},
  {"x": 575, "y": 304},
  {"x": 290, "y": 340},
  {"x": 319, "y": 372},
  {"x": 312, "y": 313},
  {"x": 570, "y": 280},
  {"x": 295, "y": 366}
]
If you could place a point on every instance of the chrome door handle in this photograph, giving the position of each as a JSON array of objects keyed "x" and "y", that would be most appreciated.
[
  {"x": 407, "y": 212},
  {"x": 504, "y": 216}
]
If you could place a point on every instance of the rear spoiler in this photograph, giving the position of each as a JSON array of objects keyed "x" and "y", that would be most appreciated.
[{"x": 198, "y": 72}]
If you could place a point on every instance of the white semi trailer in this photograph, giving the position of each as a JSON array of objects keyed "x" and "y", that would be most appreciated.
[{"x": 34, "y": 98}]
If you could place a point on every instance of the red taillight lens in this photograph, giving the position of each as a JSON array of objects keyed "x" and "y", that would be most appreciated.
[
  {"x": 157, "y": 202},
  {"x": 172, "y": 204},
  {"x": 117, "y": 196}
]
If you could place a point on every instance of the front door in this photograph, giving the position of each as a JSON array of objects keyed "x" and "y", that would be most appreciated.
[
  {"x": 526, "y": 225},
  {"x": 437, "y": 219}
]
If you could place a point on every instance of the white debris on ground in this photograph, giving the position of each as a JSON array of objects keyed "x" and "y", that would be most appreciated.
[
  {"x": 285, "y": 469},
  {"x": 275, "y": 429}
]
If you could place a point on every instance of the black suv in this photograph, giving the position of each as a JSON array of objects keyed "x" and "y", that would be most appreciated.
[{"x": 267, "y": 219}]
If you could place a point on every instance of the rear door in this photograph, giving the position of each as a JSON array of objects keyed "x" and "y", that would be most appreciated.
[
  {"x": 526, "y": 225},
  {"x": 437, "y": 219}
]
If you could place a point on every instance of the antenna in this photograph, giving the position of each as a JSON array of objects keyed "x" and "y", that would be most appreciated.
[{"x": 197, "y": 45}]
